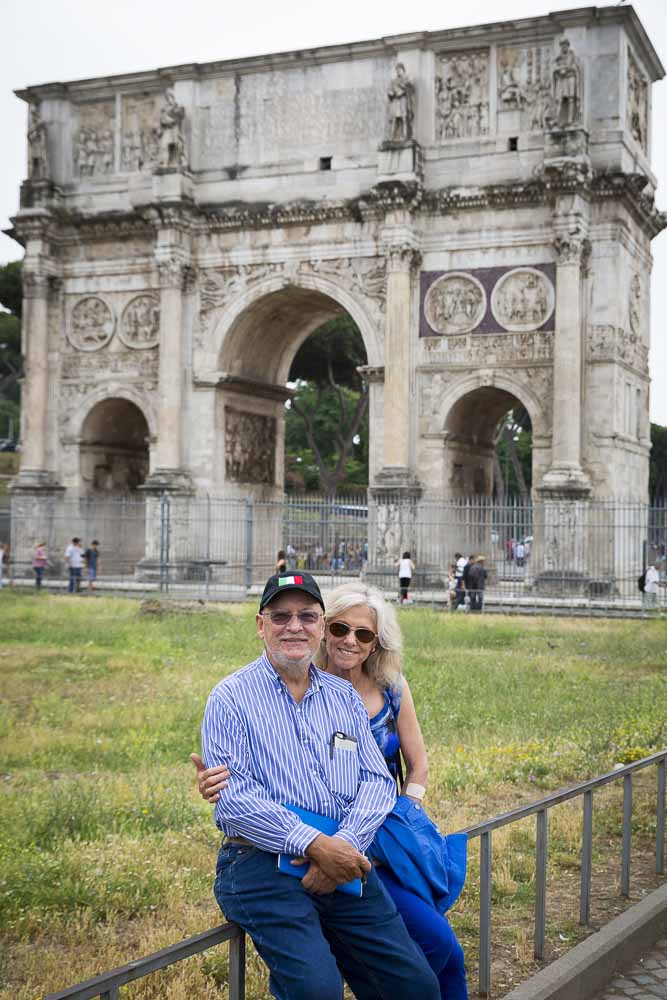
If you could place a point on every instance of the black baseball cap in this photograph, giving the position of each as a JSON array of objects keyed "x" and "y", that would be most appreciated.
[{"x": 281, "y": 583}]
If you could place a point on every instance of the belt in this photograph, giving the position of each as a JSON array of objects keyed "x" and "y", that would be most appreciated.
[{"x": 238, "y": 841}]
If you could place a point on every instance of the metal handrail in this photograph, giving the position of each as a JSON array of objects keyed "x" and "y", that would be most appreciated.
[
  {"x": 539, "y": 810},
  {"x": 108, "y": 984}
]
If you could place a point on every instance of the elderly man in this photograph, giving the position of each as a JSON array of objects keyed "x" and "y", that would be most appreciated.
[{"x": 292, "y": 735}]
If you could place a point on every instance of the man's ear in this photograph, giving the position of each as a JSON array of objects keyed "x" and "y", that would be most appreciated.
[{"x": 259, "y": 622}]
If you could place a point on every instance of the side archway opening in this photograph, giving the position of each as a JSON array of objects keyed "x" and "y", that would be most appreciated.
[{"x": 114, "y": 448}]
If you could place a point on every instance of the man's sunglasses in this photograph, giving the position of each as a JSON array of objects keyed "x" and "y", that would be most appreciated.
[
  {"x": 364, "y": 635},
  {"x": 282, "y": 618}
]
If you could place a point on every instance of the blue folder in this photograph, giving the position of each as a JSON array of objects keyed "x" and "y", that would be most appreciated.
[{"x": 325, "y": 825}]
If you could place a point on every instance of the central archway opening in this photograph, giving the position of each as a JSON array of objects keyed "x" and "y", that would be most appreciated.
[{"x": 113, "y": 450}]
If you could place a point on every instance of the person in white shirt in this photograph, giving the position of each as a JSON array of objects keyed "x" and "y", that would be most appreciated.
[
  {"x": 406, "y": 568},
  {"x": 74, "y": 560},
  {"x": 4, "y": 560},
  {"x": 651, "y": 583}
]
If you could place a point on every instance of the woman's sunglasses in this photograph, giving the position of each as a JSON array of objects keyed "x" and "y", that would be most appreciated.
[{"x": 339, "y": 629}]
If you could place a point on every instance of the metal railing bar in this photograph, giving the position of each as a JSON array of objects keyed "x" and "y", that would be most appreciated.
[
  {"x": 110, "y": 981},
  {"x": 586, "y": 860},
  {"x": 540, "y": 882},
  {"x": 627, "y": 835},
  {"x": 660, "y": 821},
  {"x": 557, "y": 797},
  {"x": 237, "y": 968},
  {"x": 113, "y": 994},
  {"x": 485, "y": 885}
]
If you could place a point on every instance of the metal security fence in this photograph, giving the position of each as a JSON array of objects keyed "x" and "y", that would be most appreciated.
[
  {"x": 107, "y": 985},
  {"x": 577, "y": 554}
]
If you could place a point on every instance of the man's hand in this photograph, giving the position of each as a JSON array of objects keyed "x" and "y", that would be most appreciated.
[
  {"x": 212, "y": 780},
  {"x": 337, "y": 859},
  {"x": 315, "y": 880}
]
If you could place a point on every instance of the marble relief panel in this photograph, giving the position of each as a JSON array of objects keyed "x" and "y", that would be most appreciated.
[
  {"x": 250, "y": 447},
  {"x": 140, "y": 132},
  {"x": 93, "y": 145},
  {"x": 524, "y": 84},
  {"x": 462, "y": 95}
]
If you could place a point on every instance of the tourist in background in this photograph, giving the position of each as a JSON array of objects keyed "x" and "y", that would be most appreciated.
[
  {"x": 74, "y": 563},
  {"x": 406, "y": 568},
  {"x": 92, "y": 555},
  {"x": 39, "y": 563},
  {"x": 4, "y": 562},
  {"x": 651, "y": 583},
  {"x": 281, "y": 562},
  {"x": 461, "y": 563},
  {"x": 476, "y": 582}
]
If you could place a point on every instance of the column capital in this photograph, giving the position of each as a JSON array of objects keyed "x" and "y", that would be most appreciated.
[
  {"x": 35, "y": 285},
  {"x": 174, "y": 273},
  {"x": 402, "y": 256},
  {"x": 572, "y": 250}
]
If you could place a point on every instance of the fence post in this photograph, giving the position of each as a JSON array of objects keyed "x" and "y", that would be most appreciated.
[
  {"x": 540, "y": 882},
  {"x": 586, "y": 860},
  {"x": 660, "y": 820},
  {"x": 627, "y": 834},
  {"x": 249, "y": 528},
  {"x": 165, "y": 529},
  {"x": 485, "y": 877},
  {"x": 237, "y": 966}
]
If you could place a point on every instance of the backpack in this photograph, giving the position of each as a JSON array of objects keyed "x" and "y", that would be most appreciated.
[{"x": 641, "y": 582}]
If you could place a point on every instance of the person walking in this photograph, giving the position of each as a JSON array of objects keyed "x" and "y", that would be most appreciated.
[
  {"x": 91, "y": 555},
  {"x": 406, "y": 568},
  {"x": 74, "y": 561},
  {"x": 461, "y": 563},
  {"x": 39, "y": 563},
  {"x": 651, "y": 583}
]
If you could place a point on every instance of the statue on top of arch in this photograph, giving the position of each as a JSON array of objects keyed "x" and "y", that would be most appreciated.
[
  {"x": 38, "y": 146},
  {"x": 566, "y": 88},
  {"x": 171, "y": 142},
  {"x": 400, "y": 109}
]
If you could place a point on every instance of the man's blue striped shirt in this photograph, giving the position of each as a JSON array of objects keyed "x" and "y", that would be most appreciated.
[{"x": 280, "y": 752}]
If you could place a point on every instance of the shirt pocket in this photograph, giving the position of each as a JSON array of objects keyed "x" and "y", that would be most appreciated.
[{"x": 342, "y": 771}]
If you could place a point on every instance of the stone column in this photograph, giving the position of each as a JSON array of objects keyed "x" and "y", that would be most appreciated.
[
  {"x": 566, "y": 474},
  {"x": 36, "y": 384},
  {"x": 170, "y": 387},
  {"x": 401, "y": 261}
]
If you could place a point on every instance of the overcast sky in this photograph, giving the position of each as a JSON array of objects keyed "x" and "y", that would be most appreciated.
[{"x": 49, "y": 40}]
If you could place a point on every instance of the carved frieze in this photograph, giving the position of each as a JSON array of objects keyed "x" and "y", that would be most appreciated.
[
  {"x": 365, "y": 277},
  {"x": 250, "y": 447},
  {"x": 462, "y": 95},
  {"x": 91, "y": 324},
  {"x": 93, "y": 149},
  {"x": 140, "y": 132},
  {"x": 140, "y": 323},
  {"x": 455, "y": 303},
  {"x": 433, "y": 386},
  {"x": 524, "y": 84},
  {"x": 498, "y": 348},
  {"x": 523, "y": 299},
  {"x": 610, "y": 343},
  {"x": 130, "y": 364},
  {"x": 637, "y": 103}
]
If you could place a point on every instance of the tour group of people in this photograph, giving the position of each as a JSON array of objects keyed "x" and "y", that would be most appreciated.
[{"x": 76, "y": 559}]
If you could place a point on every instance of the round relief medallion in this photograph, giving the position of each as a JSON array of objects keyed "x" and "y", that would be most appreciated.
[
  {"x": 92, "y": 324},
  {"x": 140, "y": 325},
  {"x": 455, "y": 303},
  {"x": 523, "y": 299}
]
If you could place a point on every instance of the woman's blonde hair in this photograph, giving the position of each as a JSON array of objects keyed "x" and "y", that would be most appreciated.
[{"x": 384, "y": 664}]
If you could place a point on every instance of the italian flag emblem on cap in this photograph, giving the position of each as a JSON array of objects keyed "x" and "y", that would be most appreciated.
[{"x": 290, "y": 581}]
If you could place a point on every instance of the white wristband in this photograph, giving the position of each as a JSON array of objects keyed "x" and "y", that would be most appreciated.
[{"x": 415, "y": 791}]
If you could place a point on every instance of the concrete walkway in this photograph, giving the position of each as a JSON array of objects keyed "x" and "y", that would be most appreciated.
[{"x": 645, "y": 980}]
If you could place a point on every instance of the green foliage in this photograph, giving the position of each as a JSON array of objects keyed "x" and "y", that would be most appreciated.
[
  {"x": 658, "y": 463},
  {"x": 11, "y": 365},
  {"x": 328, "y": 413},
  {"x": 11, "y": 289}
]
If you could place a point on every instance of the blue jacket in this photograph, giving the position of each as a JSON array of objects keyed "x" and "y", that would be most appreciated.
[{"x": 419, "y": 856}]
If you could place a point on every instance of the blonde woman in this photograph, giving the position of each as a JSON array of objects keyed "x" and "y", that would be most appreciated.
[{"x": 363, "y": 644}]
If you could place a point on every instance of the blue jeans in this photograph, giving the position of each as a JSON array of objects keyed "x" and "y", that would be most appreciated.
[
  {"x": 309, "y": 941},
  {"x": 434, "y": 936},
  {"x": 74, "y": 580}
]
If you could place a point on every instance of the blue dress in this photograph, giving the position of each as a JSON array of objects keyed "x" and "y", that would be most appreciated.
[{"x": 431, "y": 931}]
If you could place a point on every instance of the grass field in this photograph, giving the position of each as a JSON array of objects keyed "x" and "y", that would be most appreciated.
[{"x": 107, "y": 852}]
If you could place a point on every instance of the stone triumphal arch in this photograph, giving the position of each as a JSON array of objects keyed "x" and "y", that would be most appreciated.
[{"x": 480, "y": 201}]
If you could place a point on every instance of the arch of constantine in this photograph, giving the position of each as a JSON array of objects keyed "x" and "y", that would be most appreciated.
[{"x": 480, "y": 201}]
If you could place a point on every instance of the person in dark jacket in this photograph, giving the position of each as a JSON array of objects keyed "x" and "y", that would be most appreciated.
[{"x": 477, "y": 574}]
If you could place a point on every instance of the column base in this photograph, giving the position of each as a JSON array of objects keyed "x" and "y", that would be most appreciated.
[
  {"x": 168, "y": 481},
  {"x": 568, "y": 482},
  {"x": 35, "y": 481},
  {"x": 400, "y": 161}
]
